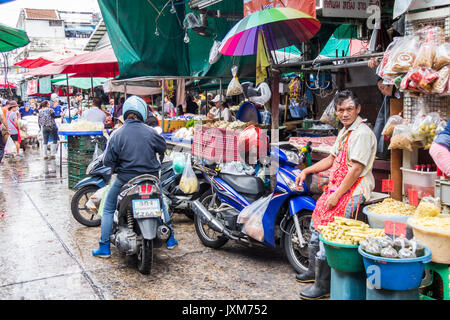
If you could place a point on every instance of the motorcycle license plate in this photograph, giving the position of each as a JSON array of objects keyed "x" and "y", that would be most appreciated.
[{"x": 146, "y": 208}]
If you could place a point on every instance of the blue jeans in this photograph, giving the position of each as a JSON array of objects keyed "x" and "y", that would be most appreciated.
[
  {"x": 349, "y": 210},
  {"x": 111, "y": 206}
]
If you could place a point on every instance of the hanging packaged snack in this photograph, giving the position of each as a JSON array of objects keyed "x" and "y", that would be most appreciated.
[
  {"x": 440, "y": 84},
  {"x": 442, "y": 57},
  {"x": 425, "y": 55},
  {"x": 393, "y": 121},
  {"x": 405, "y": 56},
  {"x": 401, "y": 138},
  {"x": 424, "y": 127},
  {"x": 384, "y": 69},
  {"x": 431, "y": 33},
  {"x": 234, "y": 88}
]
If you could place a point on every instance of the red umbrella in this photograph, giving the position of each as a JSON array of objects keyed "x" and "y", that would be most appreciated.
[
  {"x": 102, "y": 63},
  {"x": 33, "y": 63}
]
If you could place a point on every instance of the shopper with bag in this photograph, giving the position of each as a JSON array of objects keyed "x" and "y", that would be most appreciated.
[
  {"x": 12, "y": 120},
  {"x": 130, "y": 157},
  {"x": 48, "y": 126},
  {"x": 351, "y": 183}
]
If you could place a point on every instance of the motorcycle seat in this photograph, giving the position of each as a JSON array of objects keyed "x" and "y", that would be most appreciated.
[{"x": 249, "y": 187}]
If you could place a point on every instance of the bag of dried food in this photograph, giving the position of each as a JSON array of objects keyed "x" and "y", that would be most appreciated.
[
  {"x": 442, "y": 57},
  {"x": 234, "y": 88},
  {"x": 388, "y": 129},
  {"x": 425, "y": 55},
  {"x": 402, "y": 138},
  {"x": 424, "y": 127},
  {"x": 440, "y": 84},
  {"x": 405, "y": 56},
  {"x": 389, "y": 252},
  {"x": 188, "y": 181},
  {"x": 428, "y": 207},
  {"x": 385, "y": 67}
]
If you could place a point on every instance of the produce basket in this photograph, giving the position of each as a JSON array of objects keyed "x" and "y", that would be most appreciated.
[
  {"x": 343, "y": 257},
  {"x": 395, "y": 274},
  {"x": 438, "y": 241}
]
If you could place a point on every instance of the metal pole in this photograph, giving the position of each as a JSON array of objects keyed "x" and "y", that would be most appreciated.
[
  {"x": 220, "y": 103},
  {"x": 68, "y": 101},
  {"x": 162, "y": 102},
  {"x": 92, "y": 87}
]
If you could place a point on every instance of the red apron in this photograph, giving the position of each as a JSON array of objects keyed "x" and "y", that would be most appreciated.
[
  {"x": 19, "y": 139},
  {"x": 322, "y": 215}
]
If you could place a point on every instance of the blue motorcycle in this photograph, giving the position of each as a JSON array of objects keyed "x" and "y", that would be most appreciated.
[{"x": 285, "y": 222}]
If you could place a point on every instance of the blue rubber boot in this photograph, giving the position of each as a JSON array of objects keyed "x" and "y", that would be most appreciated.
[
  {"x": 103, "y": 251},
  {"x": 172, "y": 242}
]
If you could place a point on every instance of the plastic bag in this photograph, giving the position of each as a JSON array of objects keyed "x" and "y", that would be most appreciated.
[
  {"x": 401, "y": 138},
  {"x": 234, "y": 88},
  {"x": 252, "y": 145},
  {"x": 388, "y": 129},
  {"x": 94, "y": 201},
  {"x": 188, "y": 181},
  {"x": 400, "y": 243},
  {"x": 389, "y": 252},
  {"x": 433, "y": 34},
  {"x": 386, "y": 63},
  {"x": 417, "y": 248},
  {"x": 425, "y": 55},
  {"x": 10, "y": 147},
  {"x": 405, "y": 55},
  {"x": 103, "y": 201},
  {"x": 178, "y": 162},
  {"x": 440, "y": 84},
  {"x": 259, "y": 205},
  {"x": 424, "y": 127},
  {"x": 214, "y": 54},
  {"x": 406, "y": 253},
  {"x": 97, "y": 152},
  {"x": 329, "y": 116},
  {"x": 442, "y": 57},
  {"x": 428, "y": 207}
]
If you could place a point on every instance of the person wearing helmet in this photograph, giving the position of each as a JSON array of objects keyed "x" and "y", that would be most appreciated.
[{"x": 131, "y": 151}]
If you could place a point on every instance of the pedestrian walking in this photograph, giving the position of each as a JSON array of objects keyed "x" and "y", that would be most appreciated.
[
  {"x": 13, "y": 125},
  {"x": 48, "y": 126}
]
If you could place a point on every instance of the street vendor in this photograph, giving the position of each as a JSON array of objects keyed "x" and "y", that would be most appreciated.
[
  {"x": 221, "y": 109},
  {"x": 350, "y": 184}
]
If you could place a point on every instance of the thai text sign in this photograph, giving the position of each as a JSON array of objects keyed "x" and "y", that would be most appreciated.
[{"x": 348, "y": 8}]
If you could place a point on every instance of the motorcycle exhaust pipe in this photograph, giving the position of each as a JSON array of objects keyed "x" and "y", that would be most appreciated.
[
  {"x": 200, "y": 210},
  {"x": 163, "y": 232}
]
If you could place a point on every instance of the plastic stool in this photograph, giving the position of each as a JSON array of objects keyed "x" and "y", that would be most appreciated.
[
  {"x": 443, "y": 270},
  {"x": 347, "y": 285},
  {"x": 383, "y": 294}
]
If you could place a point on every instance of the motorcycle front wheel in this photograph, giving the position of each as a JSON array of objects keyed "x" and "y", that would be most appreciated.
[
  {"x": 298, "y": 257},
  {"x": 80, "y": 212},
  {"x": 209, "y": 237},
  {"x": 145, "y": 257}
]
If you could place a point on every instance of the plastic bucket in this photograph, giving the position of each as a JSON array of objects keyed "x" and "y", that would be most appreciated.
[
  {"x": 377, "y": 220},
  {"x": 394, "y": 274},
  {"x": 343, "y": 257}
]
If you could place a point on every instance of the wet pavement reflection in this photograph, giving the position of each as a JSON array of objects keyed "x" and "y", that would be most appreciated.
[{"x": 46, "y": 253}]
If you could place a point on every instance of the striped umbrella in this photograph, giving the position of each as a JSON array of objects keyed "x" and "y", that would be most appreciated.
[{"x": 281, "y": 27}]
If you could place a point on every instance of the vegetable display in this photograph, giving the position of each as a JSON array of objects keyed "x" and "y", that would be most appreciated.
[{"x": 393, "y": 207}]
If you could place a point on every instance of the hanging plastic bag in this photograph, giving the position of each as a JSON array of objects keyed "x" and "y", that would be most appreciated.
[
  {"x": 97, "y": 152},
  {"x": 234, "y": 88},
  {"x": 405, "y": 55},
  {"x": 388, "y": 129},
  {"x": 428, "y": 207},
  {"x": 440, "y": 84},
  {"x": 214, "y": 54},
  {"x": 178, "y": 162},
  {"x": 387, "y": 57},
  {"x": 424, "y": 127},
  {"x": 329, "y": 116},
  {"x": 253, "y": 226},
  {"x": 10, "y": 147},
  {"x": 94, "y": 201},
  {"x": 188, "y": 181}
]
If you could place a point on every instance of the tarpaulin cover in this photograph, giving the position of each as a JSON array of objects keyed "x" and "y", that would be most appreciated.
[{"x": 12, "y": 38}]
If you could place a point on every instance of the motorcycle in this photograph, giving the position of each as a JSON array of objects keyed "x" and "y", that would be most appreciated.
[
  {"x": 285, "y": 222},
  {"x": 99, "y": 176},
  {"x": 139, "y": 225}
]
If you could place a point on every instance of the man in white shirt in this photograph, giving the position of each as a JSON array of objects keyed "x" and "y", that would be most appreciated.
[{"x": 95, "y": 114}]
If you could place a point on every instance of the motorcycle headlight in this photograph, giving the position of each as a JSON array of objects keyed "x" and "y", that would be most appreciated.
[
  {"x": 292, "y": 157},
  {"x": 291, "y": 183}
]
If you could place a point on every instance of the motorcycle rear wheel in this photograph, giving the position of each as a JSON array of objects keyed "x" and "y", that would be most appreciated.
[
  {"x": 208, "y": 237},
  {"x": 145, "y": 257},
  {"x": 84, "y": 193},
  {"x": 298, "y": 257}
]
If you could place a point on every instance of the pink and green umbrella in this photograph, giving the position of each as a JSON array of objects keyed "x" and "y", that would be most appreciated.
[{"x": 281, "y": 27}]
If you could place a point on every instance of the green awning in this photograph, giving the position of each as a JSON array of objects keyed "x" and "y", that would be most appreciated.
[
  {"x": 81, "y": 83},
  {"x": 11, "y": 38}
]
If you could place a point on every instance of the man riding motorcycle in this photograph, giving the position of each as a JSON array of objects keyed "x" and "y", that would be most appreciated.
[{"x": 130, "y": 152}]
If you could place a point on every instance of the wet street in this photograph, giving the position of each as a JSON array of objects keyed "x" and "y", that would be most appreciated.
[{"x": 46, "y": 253}]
